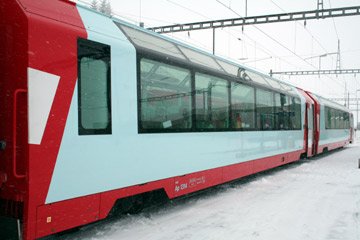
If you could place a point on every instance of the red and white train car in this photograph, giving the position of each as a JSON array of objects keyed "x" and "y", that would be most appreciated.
[{"x": 95, "y": 110}]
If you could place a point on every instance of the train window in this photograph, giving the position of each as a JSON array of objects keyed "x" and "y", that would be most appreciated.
[
  {"x": 283, "y": 111},
  {"x": 265, "y": 110},
  {"x": 257, "y": 78},
  {"x": 346, "y": 120},
  {"x": 342, "y": 120},
  {"x": 335, "y": 115},
  {"x": 296, "y": 114},
  {"x": 242, "y": 106},
  {"x": 165, "y": 97},
  {"x": 278, "y": 112},
  {"x": 285, "y": 102},
  {"x": 336, "y": 119},
  {"x": 151, "y": 41},
  {"x": 327, "y": 118},
  {"x": 212, "y": 102},
  {"x": 333, "y": 119},
  {"x": 229, "y": 68},
  {"x": 200, "y": 58},
  {"x": 94, "y": 91}
]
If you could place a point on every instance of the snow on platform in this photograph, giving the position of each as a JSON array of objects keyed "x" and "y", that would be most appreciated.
[{"x": 313, "y": 199}]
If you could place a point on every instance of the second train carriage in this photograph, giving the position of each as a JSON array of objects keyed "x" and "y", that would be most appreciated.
[{"x": 98, "y": 110}]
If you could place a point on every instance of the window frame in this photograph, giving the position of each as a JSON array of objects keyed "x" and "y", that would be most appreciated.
[
  {"x": 166, "y": 61},
  {"x": 334, "y": 113},
  {"x": 84, "y": 46},
  {"x": 228, "y": 86},
  {"x": 253, "y": 113},
  {"x": 196, "y": 68}
]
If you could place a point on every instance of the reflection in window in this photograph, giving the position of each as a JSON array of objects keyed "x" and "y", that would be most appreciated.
[
  {"x": 297, "y": 114},
  {"x": 336, "y": 119},
  {"x": 242, "y": 106},
  {"x": 212, "y": 102},
  {"x": 278, "y": 112},
  {"x": 264, "y": 109},
  {"x": 285, "y": 103},
  {"x": 200, "y": 58},
  {"x": 94, "y": 88},
  {"x": 165, "y": 96},
  {"x": 151, "y": 41}
]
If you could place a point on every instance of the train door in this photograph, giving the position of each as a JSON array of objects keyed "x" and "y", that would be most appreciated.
[
  {"x": 311, "y": 130},
  {"x": 13, "y": 118}
]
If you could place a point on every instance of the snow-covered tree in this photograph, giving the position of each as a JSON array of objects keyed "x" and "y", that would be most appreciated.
[
  {"x": 108, "y": 9},
  {"x": 94, "y": 5},
  {"x": 105, "y": 7}
]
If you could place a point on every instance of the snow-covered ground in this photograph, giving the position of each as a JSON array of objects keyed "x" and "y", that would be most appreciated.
[{"x": 313, "y": 199}]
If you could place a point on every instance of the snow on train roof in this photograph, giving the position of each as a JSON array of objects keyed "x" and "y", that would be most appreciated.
[{"x": 155, "y": 42}]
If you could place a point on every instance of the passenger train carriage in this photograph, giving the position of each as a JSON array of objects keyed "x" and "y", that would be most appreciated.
[{"x": 95, "y": 109}]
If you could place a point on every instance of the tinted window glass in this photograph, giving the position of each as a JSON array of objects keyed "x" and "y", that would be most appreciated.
[
  {"x": 212, "y": 102},
  {"x": 336, "y": 119},
  {"x": 150, "y": 41},
  {"x": 242, "y": 106},
  {"x": 200, "y": 58},
  {"x": 278, "y": 112},
  {"x": 264, "y": 110},
  {"x": 327, "y": 118},
  {"x": 333, "y": 119},
  {"x": 296, "y": 115},
  {"x": 94, "y": 88},
  {"x": 285, "y": 103},
  {"x": 165, "y": 100}
]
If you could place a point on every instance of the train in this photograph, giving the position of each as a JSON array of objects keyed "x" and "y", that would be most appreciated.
[{"x": 95, "y": 110}]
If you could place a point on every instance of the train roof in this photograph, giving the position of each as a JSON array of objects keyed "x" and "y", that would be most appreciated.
[
  {"x": 148, "y": 40},
  {"x": 331, "y": 104}
]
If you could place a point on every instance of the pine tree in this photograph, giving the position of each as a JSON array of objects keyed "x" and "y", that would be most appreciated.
[
  {"x": 94, "y": 5},
  {"x": 105, "y": 7},
  {"x": 108, "y": 9},
  {"x": 102, "y": 6}
]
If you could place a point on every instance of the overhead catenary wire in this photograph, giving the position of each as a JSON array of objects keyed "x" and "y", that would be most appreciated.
[
  {"x": 257, "y": 44},
  {"x": 313, "y": 37},
  {"x": 279, "y": 43},
  {"x": 133, "y": 17},
  {"x": 337, "y": 34},
  {"x": 266, "y": 34},
  {"x": 306, "y": 29},
  {"x": 263, "y": 49}
]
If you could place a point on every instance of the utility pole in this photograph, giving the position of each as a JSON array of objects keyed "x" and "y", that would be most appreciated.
[
  {"x": 357, "y": 109},
  {"x": 338, "y": 60},
  {"x": 246, "y": 8},
  {"x": 213, "y": 41},
  {"x": 320, "y": 7}
]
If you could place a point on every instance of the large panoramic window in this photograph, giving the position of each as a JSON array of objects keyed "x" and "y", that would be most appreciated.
[
  {"x": 94, "y": 91},
  {"x": 296, "y": 113},
  {"x": 264, "y": 109},
  {"x": 212, "y": 102},
  {"x": 165, "y": 97},
  {"x": 242, "y": 106},
  {"x": 336, "y": 119}
]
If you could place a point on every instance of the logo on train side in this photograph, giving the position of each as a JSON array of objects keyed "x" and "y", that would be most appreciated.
[
  {"x": 180, "y": 187},
  {"x": 192, "y": 182}
]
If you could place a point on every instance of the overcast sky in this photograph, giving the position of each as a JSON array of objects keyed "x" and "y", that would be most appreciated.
[{"x": 278, "y": 46}]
